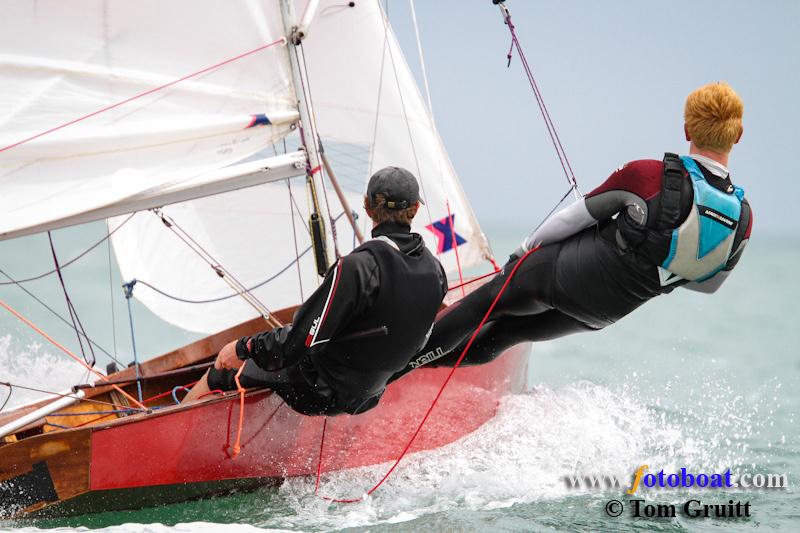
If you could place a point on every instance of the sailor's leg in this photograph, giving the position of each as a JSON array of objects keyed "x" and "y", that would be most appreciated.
[
  {"x": 200, "y": 388},
  {"x": 453, "y": 324},
  {"x": 500, "y": 335},
  {"x": 528, "y": 293}
]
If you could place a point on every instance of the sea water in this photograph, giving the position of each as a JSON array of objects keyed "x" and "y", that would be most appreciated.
[{"x": 707, "y": 383}]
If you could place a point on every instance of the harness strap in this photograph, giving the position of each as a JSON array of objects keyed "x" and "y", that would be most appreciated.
[
  {"x": 674, "y": 176},
  {"x": 385, "y": 239}
]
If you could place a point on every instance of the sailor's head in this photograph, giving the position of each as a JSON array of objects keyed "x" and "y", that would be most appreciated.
[
  {"x": 392, "y": 196},
  {"x": 713, "y": 118}
]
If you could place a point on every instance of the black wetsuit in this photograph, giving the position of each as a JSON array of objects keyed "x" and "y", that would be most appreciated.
[
  {"x": 361, "y": 326},
  {"x": 590, "y": 271}
]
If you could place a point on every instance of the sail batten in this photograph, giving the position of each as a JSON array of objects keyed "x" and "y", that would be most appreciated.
[
  {"x": 220, "y": 181},
  {"x": 90, "y": 141}
]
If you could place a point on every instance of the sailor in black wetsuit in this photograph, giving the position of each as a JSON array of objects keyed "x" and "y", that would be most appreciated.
[
  {"x": 651, "y": 227},
  {"x": 369, "y": 317}
]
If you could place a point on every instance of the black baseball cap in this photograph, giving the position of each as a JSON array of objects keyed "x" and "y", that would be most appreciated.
[{"x": 398, "y": 185}]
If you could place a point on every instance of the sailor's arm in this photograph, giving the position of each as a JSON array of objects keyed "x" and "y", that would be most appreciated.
[
  {"x": 349, "y": 286},
  {"x": 559, "y": 226},
  {"x": 629, "y": 186},
  {"x": 712, "y": 284}
]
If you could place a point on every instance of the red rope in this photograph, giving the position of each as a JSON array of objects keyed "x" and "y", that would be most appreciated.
[
  {"x": 319, "y": 461},
  {"x": 167, "y": 393},
  {"x": 145, "y": 93},
  {"x": 64, "y": 349},
  {"x": 237, "y": 447},
  {"x": 435, "y": 400},
  {"x": 455, "y": 247},
  {"x": 146, "y": 400},
  {"x": 473, "y": 280}
]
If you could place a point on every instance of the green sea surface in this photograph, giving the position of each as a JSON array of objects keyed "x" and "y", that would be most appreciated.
[{"x": 689, "y": 380}]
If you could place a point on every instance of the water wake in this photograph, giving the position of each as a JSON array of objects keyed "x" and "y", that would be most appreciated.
[
  {"x": 525, "y": 453},
  {"x": 34, "y": 367}
]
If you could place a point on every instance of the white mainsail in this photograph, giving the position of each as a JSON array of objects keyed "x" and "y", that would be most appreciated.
[
  {"x": 369, "y": 114},
  {"x": 60, "y": 61}
]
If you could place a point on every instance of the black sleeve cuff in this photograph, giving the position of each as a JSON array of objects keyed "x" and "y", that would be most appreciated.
[{"x": 241, "y": 349}]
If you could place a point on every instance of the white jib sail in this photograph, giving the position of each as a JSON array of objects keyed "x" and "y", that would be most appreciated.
[
  {"x": 60, "y": 61},
  {"x": 369, "y": 115}
]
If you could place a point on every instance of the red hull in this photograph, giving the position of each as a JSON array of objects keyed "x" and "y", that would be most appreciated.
[{"x": 192, "y": 444}]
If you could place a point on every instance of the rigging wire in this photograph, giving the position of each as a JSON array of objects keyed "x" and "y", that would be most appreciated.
[
  {"x": 318, "y": 145},
  {"x": 551, "y": 128},
  {"x": 222, "y": 272},
  {"x": 421, "y": 56},
  {"x": 64, "y": 349},
  {"x": 405, "y": 112},
  {"x": 58, "y": 315},
  {"x": 473, "y": 280},
  {"x": 371, "y": 160},
  {"x": 128, "y": 288},
  {"x": 10, "y": 392},
  {"x": 553, "y": 210},
  {"x": 316, "y": 218},
  {"x": 294, "y": 236},
  {"x": 235, "y": 294},
  {"x": 450, "y": 216},
  {"x": 352, "y": 217},
  {"x": 71, "y": 261},
  {"x": 228, "y": 296},
  {"x": 294, "y": 200},
  {"x": 302, "y": 220},
  {"x": 73, "y": 313},
  {"x": 297, "y": 206},
  {"x": 111, "y": 292}
]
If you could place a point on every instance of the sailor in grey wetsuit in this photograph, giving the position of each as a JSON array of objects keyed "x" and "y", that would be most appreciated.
[{"x": 650, "y": 227}]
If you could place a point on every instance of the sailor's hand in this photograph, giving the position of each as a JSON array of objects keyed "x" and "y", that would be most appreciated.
[{"x": 227, "y": 357}]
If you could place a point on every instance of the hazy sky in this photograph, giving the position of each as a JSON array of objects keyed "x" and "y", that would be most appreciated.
[{"x": 614, "y": 74}]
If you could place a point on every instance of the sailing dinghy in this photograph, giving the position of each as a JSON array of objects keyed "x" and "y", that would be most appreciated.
[{"x": 228, "y": 150}]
